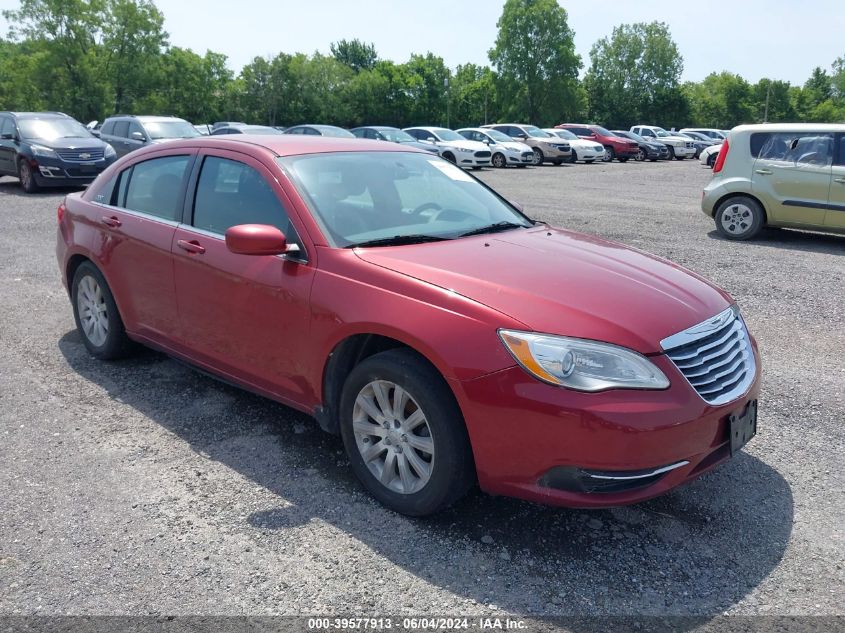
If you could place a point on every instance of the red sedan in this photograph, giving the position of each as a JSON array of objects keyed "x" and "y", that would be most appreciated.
[{"x": 447, "y": 337}]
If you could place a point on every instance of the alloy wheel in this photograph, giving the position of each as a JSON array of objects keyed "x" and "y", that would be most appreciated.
[
  {"x": 737, "y": 219},
  {"x": 93, "y": 312},
  {"x": 393, "y": 436}
]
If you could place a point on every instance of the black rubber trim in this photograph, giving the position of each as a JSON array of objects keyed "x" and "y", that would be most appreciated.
[{"x": 814, "y": 205}]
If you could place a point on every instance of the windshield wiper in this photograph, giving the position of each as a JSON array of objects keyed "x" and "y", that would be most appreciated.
[
  {"x": 399, "y": 240},
  {"x": 496, "y": 227}
]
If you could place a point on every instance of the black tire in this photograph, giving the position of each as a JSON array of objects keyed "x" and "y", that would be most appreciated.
[
  {"x": 739, "y": 218},
  {"x": 609, "y": 154},
  {"x": 711, "y": 159},
  {"x": 557, "y": 162},
  {"x": 573, "y": 157},
  {"x": 499, "y": 161},
  {"x": 450, "y": 157},
  {"x": 641, "y": 155},
  {"x": 671, "y": 152},
  {"x": 27, "y": 177},
  {"x": 538, "y": 157},
  {"x": 622, "y": 160},
  {"x": 116, "y": 344},
  {"x": 453, "y": 471}
]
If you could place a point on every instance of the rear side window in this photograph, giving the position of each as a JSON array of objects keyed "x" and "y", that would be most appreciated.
[
  {"x": 6, "y": 126},
  {"x": 155, "y": 187},
  {"x": 800, "y": 149},
  {"x": 231, "y": 193},
  {"x": 840, "y": 157}
]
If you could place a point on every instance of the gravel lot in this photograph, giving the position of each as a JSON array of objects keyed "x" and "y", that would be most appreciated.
[{"x": 142, "y": 487}]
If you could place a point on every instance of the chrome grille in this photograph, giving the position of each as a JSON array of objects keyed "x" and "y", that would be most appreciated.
[
  {"x": 715, "y": 357},
  {"x": 81, "y": 155},
  {"x": 690, "y": 144}
]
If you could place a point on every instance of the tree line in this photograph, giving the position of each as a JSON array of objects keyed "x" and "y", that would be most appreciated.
[{"x": 94, "y": 58}]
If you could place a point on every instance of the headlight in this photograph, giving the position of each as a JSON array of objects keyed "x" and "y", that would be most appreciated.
[
  {"x": 581, "y": 364},
  {"x": 110, "y": 153},
  {"x": 46, "y": 152},
  {"x": 465, "y": 150}
]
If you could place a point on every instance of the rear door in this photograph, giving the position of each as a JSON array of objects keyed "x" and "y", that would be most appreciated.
[
  {"x": 835, "y": 215},
  {"x": 8, "y": 147},
  {"x": 120, "y": 141},
  {"x": 137, "y": 219},
  {"x": 244, "y": 316},
  {"x": 792, "y": 175}
]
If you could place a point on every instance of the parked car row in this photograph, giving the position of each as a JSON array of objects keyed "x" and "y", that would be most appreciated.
[{"x": 52, "y": 149}]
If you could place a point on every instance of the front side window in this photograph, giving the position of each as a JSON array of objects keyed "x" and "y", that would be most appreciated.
[
  {"x": 231, "y": 193},
  {"x": 359, "y": 197},
  {"x": 154, "y": 187},
  {"x": 121, "y": 128},
  {"x": 134, "y": 127},
  {"x": 108, "y": 128}
]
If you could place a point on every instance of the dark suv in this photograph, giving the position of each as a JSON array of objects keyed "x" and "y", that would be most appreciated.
[
  {"x": 126, "y": 133},
  {"x": 50, "y": 149}
]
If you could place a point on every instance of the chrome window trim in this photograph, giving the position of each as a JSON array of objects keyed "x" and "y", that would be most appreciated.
[
  {"x": 140, "y": 214},
  {"x": 656, "y": 471}
]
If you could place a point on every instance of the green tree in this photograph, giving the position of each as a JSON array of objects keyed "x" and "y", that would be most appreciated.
[
  {"x": 818, "y": 87},
  {"x": 634, "y": 76},
  {"x": 355, "y": 54},
  {"x": 133, "y": 40},
  {"x": 535, "y": 60},
  {"x": 772, "y": 101},
  {"x": 427, "y": 83},
  {"x": 472, "y": 96},
  {"x": 722, "y": 100}
]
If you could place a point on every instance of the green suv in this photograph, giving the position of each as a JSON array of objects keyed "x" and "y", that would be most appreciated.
[{"x": 781, "y": 174}]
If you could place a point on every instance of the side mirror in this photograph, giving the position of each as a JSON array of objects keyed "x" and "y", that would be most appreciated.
[
  {"x": 431, "y": 139},
  {"x": 258, "y": 239},
  {"x": 95, "y": 133},
  {"x": 519, "y": 207},
  {"x": 522, "y": 136},
  {"x": 137, "y": 136}
]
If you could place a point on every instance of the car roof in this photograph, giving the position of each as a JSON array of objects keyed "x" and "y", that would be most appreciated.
[
  {"x": 790, "y": 127},
  {"x": 146, "y": 118},
  {"x": 37, "y": 115},
  {"x": 375, "y": 127},
  {"x": 283, "y": 144}
]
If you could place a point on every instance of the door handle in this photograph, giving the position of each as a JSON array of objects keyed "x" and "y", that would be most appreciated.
[
  {"x": 839, "y": 180},
  {"x": 111, "y": 221},
  {"x": 192, "y": 247},
  {"x": 765, "y": 172}
]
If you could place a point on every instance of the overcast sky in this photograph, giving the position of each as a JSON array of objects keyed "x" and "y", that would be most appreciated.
[{"x": 780, "y": 39}]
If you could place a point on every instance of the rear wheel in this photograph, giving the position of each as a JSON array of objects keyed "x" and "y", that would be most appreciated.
[
  {"x": 499, "y": 160},
  {"x": 538, "y": 158},
  {"x": 27, "y": 176},
  {"x": 404, "y": 433},
  {"x": 96, "y": 315},
  {"x": 739, "y": 218}
]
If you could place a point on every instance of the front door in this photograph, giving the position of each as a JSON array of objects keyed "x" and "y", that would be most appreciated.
[
  {"x": 792, "y": 176},
  {"x": 243, "y": 315}
]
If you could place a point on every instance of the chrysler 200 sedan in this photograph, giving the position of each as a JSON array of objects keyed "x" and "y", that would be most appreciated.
[{"x": 448, "y": 338}]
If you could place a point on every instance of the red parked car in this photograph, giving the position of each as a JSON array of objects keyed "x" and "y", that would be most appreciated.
[
  {"x": 405, "y": 305},
  {"x": 615, "y": 146}
]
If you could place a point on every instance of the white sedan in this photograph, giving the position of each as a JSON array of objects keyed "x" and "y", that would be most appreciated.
[
  {"x": 453, "y": 147},
  {"x": 506, "y": 151},
  {"x": 582, "y": 149},
  {"x": 709, "y": 155}
]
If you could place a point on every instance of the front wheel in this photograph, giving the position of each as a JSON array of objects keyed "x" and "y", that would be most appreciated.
[
  {"x": 641, "y": 156},
  {"x": 404, "y": 434},
  {"x": 27, "y": 177},
  {"x": 711, "y": 160},
  {"x": 96, "y": 315},
  {"x": 573, "y": 157},
  {"x": 538, "y": 158},
  {"x": 609, "y": 154},
  {"x": 671, "y": 152},
  {"x": 499, "y": 160},
  {"x": 739, "y": 218}
]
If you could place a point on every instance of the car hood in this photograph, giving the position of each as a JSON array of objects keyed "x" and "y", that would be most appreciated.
[
  {"x": 585, "y": 144},
  {"x": 565, "y": 283},
  {"x": 75, "y": 142},
  {"x": 516, "y": 146},
  {"x": 420, "y": 145},
  {"x": 475, "y": 146}
]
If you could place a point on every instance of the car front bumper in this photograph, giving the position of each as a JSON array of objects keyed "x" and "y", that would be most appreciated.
[
  {"x": 526, "y": 435},
  {"x": 51, "y": 172},
  {"x": 684, "y": 152}
]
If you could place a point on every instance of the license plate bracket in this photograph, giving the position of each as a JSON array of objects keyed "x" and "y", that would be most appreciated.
[{"x": 742, "y": 426}]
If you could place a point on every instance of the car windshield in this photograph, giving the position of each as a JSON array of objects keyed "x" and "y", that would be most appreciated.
[
  {"x": 170, "y": 129},
  {"x": 337, "y": 132},
  {"x": 447, "y": 135},
  {"x": 602, "y": 131},
  {"x": 633, "y": 136},
  {"x": 535, "y": 131},
  {"x": 569, "y": 136},
  {"x": 498, "y": 136},
  {"x": 397, "y": 136},
  {"x": 52, "y": 129},
  {"x": 363, "y": 197}
]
